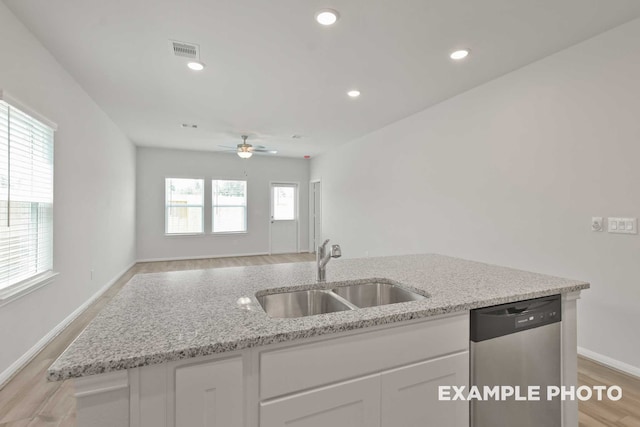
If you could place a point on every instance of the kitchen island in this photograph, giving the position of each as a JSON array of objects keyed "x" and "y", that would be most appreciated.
[{"x": 175, "y": 349}]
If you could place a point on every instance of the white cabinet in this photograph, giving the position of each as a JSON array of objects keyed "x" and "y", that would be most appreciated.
[
  {"x": 293, "y": 368},
  {"x": 353, "y": 403},
  {"x": 409, "y": 395},
  {"x": 380, "y": 377},
  {"x": 210, "y": 394},
  {"x": 402, "y": 397},
  {"x": 383, "y": 378}
]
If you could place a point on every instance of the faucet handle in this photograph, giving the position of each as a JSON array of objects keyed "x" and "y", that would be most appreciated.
[
  {"x": 336, "y": 252},
  {"x": 325, "y": 243}
]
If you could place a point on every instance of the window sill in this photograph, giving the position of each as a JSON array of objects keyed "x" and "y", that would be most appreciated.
[
  {"x": 220, "y": 233},
  {"x": 25, "y": 287},
  {"x": 230, "y": 233}
]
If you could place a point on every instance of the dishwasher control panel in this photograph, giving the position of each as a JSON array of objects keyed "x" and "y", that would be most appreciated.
[
  {"x": 504, "y": 319},
  {"x": 534, "y": 319}
]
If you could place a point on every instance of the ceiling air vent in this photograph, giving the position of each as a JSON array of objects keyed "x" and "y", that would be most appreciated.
[{"x": 187, "y": 50}]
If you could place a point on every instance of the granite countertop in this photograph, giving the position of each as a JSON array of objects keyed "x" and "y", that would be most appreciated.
[{"x": 161, "y": 317}]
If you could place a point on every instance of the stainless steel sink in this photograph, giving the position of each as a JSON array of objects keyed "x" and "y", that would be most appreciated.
[
  {"x": 302, "y": 303},
  {"x": 373, "y": 294},
  {"x": 344, "y": 296}
]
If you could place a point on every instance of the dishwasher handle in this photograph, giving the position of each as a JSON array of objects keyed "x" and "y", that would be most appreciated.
[{"x": 525, "y": 307}]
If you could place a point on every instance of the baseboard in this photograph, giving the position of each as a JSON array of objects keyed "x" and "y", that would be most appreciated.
[
  {"x": 610, "y": 362},
  {"x": 15, "y": 367},
  {"x": 186, "y": 258}
]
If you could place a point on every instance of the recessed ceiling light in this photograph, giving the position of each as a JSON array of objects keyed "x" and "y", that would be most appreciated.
[
  {"x": 196, "y": 66},
  {"x": 327, "y": 17},
  {"x": 459, "y": 54},
  {"x": 354, "y": 93}
]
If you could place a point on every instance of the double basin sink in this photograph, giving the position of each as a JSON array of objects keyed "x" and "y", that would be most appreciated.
[{"x": 342, "y": 297}]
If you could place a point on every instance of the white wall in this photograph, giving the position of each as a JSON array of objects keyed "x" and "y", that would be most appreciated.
[
  {"x": 154, "y": 165},
  {"x": 511, "y": 173},
  {"x": 94, "y": 191}
]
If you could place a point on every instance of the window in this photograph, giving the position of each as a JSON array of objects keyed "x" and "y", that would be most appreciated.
[
  {"x": 284, "y": 202},
  {"x": 184, "y": 202},
  {"x": 26, "y": 200},
  {"x": 229, "y": 206}
]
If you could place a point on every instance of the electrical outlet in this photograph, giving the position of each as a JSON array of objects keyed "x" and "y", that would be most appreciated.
[{"x": 597, "y": 223}]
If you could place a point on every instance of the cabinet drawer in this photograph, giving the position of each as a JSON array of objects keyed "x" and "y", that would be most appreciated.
[
  {"x": 310, "y": 365},
  {"x": 353, "y": 403}
]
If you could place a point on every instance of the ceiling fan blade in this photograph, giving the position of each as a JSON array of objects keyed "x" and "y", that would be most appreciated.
[
  {"x": 262, "y": 151},
  {"x": 226, "y": 146}
]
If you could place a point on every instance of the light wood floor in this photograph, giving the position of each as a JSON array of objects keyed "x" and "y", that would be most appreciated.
[
  {"x": 28, "y": 400},
  {"x": 594, "y": 413}
]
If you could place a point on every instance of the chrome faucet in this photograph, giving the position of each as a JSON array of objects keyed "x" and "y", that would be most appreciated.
[{"x": 323, "y": 257}]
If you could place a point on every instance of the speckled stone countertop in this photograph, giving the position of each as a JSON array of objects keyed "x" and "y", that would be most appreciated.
[{"x": 161, "y": 317}]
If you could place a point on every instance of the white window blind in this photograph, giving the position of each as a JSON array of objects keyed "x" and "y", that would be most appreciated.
[
  {"x": 229, "y": 206},
  {"x": 26, "y": 198},
  {"x": 184, "y": 205}
]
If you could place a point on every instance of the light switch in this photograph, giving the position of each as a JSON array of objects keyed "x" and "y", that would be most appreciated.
[{"x": 623, "y": 225}]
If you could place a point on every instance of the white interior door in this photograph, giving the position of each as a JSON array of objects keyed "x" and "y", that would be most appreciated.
[
  {"x": 315, "y": 216},
  {"x": 284, "y": 218}
]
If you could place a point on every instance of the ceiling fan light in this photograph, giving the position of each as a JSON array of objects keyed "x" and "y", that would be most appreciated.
[{"x": 245, "y": 150}]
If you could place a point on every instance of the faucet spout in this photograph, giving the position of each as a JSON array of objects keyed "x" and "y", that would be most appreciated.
[{"x": 323, "y": 257}]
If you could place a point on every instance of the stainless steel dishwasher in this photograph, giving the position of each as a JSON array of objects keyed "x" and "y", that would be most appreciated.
[{"x": 516, "y": 344}]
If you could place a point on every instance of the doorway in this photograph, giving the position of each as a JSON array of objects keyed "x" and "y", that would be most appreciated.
[
  {"x": 284, "y": 228},
  {"x": 315, "y": 222}
]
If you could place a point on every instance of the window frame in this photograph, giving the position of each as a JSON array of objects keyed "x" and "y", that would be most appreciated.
[
  {"x": 42, "y": 278},
  {"x": 296, "y": 207},
  {"x": 167, "y": 206},
  {"x": 245, "y": 206}
]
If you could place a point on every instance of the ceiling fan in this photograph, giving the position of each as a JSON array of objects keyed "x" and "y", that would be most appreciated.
[{"x": 246, "y": 150}]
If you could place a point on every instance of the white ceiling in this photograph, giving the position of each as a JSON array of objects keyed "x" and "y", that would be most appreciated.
[{"x": 273, "y": 72}]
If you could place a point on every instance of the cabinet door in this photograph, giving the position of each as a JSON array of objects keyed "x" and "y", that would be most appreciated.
[
  {"x": 210, "y": 394},
  {"x": 410, "y": 394},
  {"x": 353, "y": 403}
]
